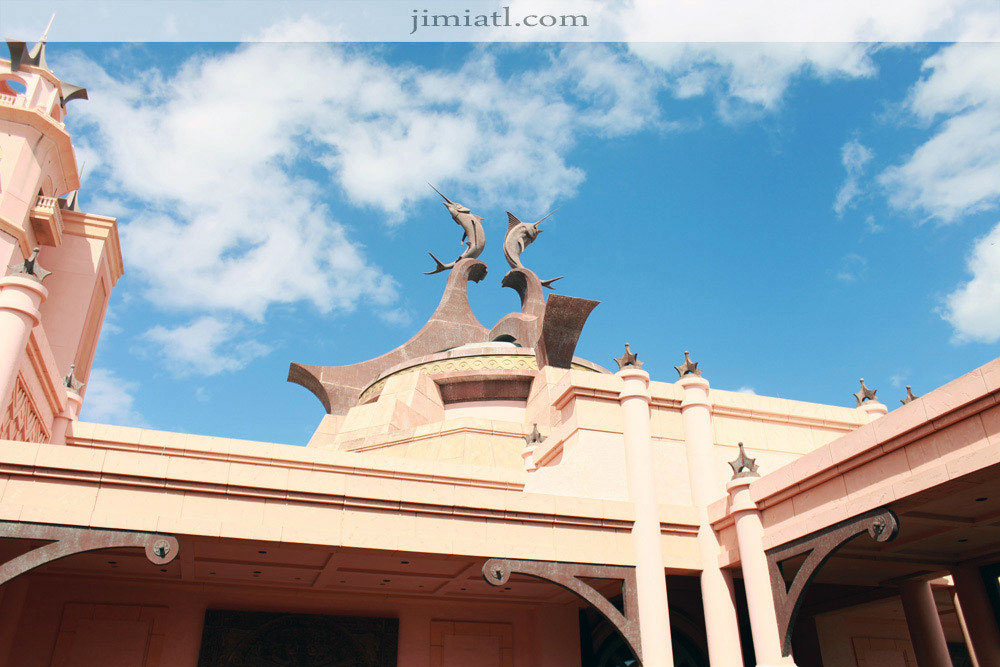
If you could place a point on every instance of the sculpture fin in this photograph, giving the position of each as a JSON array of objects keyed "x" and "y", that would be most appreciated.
[
  {"x": 548, "y": 283},
  {"x": 440, "y": 266},
  {"x": 512, "y": 221}
]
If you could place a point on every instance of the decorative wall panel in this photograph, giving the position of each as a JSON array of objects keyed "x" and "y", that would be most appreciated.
[{"x": 21, "y": 419}]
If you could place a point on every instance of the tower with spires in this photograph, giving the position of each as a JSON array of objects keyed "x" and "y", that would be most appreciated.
[{"x": 58, "y": 264}]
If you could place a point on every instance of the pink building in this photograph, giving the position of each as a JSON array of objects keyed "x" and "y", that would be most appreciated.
[{"x": 478, "y": 496}]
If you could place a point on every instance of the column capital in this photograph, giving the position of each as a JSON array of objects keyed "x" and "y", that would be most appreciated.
[
  {"x": 636, "y": 383},
  {"x": 21, "y": 282},
  {"x": 75, "y": 400},
  {"x": 873, "y": 409},
  {"x": 692, "y": 381},
  {"x": 739, "y": 493},
  {"x": 695, "y": 391},
  {"x": 22, "y": 295},
  {"x": 633, "y": 373}
]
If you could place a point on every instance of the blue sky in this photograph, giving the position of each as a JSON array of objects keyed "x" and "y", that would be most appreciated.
[{"x": 796, "y": 216}]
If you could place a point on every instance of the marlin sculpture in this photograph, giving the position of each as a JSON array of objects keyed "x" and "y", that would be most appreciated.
[
  {"x": 519, "y": 236},
  {"x": 473, "y": 237}
]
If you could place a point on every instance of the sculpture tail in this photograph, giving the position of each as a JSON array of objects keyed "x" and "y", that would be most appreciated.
[
  {"x": 548, "y": 283},
  {"x": 440, "y": 266}
]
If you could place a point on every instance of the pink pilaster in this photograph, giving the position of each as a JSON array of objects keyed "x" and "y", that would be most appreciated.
[
  {"x": 924, "y": 624},
  {"x": 654, "y": 616},
  {"x": 20, "y": 298},
  {"x": 978, "y": 613},
  {"x": 756, "y": 576},
  {"x": 716, "y": 585}
]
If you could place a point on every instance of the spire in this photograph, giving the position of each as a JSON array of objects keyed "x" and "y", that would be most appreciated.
[
  {"x": 910, "y": 396},
  {"x": 35, "y": 57},
  {"x": 45, "y": 35}
]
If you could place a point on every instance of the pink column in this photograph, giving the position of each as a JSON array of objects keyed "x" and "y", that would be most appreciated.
[
  {"x": 756, "y": 576},
  {"x": 924, "y": 624},
  {"x": 718, "y": 599},
  {"x": 873, "y": 409},
  {"x": 978, "y": 613},
  {"x": 654, "y": 615},
  {"x": 20, "y": 297},
  {"x": 965, "y": 628},
  {"x": 69, "y": 414}
]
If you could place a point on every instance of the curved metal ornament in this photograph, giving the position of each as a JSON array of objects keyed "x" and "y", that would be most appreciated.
[
  {"x": 69, "y": 540},
  {"x": 497, "y": 572},
  {"x": 881, "y": 524}
]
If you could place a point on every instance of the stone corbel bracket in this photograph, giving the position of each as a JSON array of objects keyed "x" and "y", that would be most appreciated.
[
  {"x": 69, "y": 540},
  {"x": 881, "y": 524},
  {"x": 497, "y": 572}
]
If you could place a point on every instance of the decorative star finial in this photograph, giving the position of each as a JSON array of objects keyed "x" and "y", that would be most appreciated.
[
  {"x": 70, "y": 381},
  {"x": 29, "y": 268},
  {"x": 629, "y": 359},
  {"x": 533, "y": 438},
  {"x": 909, "y": 396},
  {"x": 864, "y": 394},
  {"x": 743, "y": 465},
  {"x": 688, "y": 367}
]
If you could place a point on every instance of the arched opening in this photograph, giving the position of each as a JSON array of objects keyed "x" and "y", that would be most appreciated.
[{"x": 11, "y": 84}]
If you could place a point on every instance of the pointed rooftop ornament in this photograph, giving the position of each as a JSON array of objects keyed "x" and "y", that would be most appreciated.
[
  {"x": 70, "y": 381},
  {"x": 20, "y": 55},
  {"x": 29, "y": 268},
  {"x": 35, "y": 57},
  {"x": 864, "y": 394},
  {"x": 71, "y": 92},
  {"x": 743, "y": 465},
  {"x": 688, "y": 367},
  {"x": 628, "y": 360},
  {"x": 534, "y": 438},
  {"x": 910, "y": 396}
]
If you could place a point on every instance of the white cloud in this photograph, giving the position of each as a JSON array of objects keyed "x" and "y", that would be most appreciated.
[
  {"x": 110, "y": 399},
  {"x": 222, "y": 213},
  {"x": 206, "y": 346},
  {"x": 872, "y": 226},
  {"x": 854, "y": 156},
  {"x": 973, "y": 309},
  {"x": 852, "y": 268},
  {"x": 746, "y": 390},
  {"x": 221, "y": 172},
  {"x": 751, "y": 77},
  {"x": 957, "y": 171}
]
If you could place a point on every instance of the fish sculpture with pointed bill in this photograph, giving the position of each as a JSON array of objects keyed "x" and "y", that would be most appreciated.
[{"x": 473, "y": 235}]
